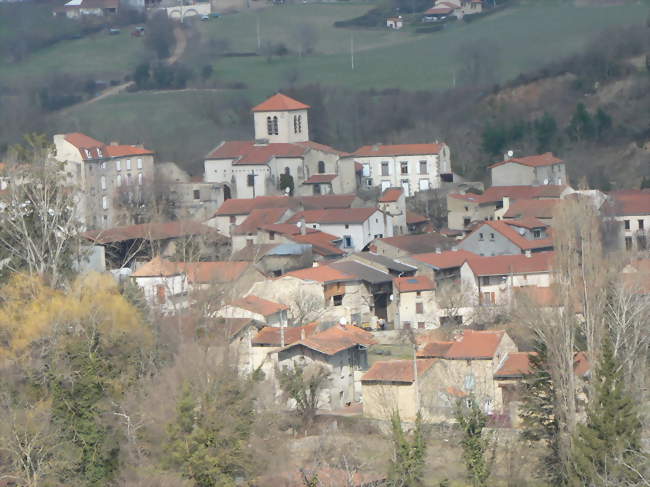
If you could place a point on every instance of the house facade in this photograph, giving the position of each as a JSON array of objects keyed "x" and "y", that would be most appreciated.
[
  {"x": 537, "y": 170},
  {"x": 413, "y": 167},
  {"x": 415, "y": 303},
  {"x": 508, "y": 237},
  {"x": 631, "y": 210},
  {"x": 113, "y": 181}
]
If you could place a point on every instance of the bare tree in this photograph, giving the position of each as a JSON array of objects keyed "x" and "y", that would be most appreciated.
[{"x": 305, "y": 38}]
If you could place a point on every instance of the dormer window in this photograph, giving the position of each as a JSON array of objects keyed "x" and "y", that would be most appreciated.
[
  {"x": 99, "y": 152},
  {"x": 118, "y": 165},
  {"x": 88, "y": 154}
]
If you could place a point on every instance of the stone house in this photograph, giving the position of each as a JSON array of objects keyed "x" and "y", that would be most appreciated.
[
  {"x": 238, "y": 333},
  {"x": 491, "y": 281},
  {"x": 76, "y": 9},
  {"x": 393, "y": 385},
  {"x": 538, "y": 170},
  {"x": 404, "y": 245},
  {"x": 113, "y": 180},
  {"x": 508, "y": 237},
  {"x": 246, "y": 233},
  {"x": 413, "y": 167},
  {"x": 268, "y": 312},
  {"x": 393, "y": 202},
  {"x": 270, "y": 339},
  {"x": 356, "y": 227},
  {"x": 631, "y": 210},
  {"x": 415, "y": 303},
  {"x": 342, "y": 351},
  {"x": 274, "y": 260},
  {"x": 281, "y": 147}
]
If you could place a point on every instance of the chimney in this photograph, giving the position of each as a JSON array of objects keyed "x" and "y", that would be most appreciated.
[
  {"x": 232, "y": 229},
  {"x": 438, "y": 250},
  {"x": 302, "y": 332},
  {"x": 528, "y": 253},
  {"x": 303, "y": 226},
  {"x": 454, "y": 249},
  {"x": 506, "y": 203},
  {"x": 113, "y": 142}
]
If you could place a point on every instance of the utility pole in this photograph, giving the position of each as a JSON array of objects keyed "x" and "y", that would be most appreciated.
[{"x": 352, "y": 50}]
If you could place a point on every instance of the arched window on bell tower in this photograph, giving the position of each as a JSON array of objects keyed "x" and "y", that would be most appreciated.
[
  {"x": 269, "y": 125},
  {"x": 275, "y": 126}
]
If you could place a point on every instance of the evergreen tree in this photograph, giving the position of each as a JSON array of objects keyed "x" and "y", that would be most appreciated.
[
  {"x": 475, "y": 443},
  {"x": 603, "y": 122},
  {"x": 645, "y": 182},
  {"x": 582, "y": 126},
  {"x": 407, "y": 466},
  {"x": 538, "y": 419},
  {"x": 545, "y": 132},
  {"x": 608, "y": 445}
]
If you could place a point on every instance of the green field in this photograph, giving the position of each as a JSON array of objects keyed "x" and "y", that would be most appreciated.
[{"x": 172, "y": 124}]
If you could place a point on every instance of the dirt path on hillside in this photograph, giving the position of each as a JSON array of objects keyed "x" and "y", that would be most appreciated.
[{"x": 179, "y": 49}]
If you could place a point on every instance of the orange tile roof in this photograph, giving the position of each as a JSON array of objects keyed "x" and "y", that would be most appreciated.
[
  {"x": 158, "y": 267},
  {"x": 279, "y": 103},
  {"x": 327, "y": 201},
  {"x": 539, "y": 160},
  {"x": 243, "y": 206},
  {"x": 445, "y": 260},
  {"x": 529, "y": 222},
  {"x": 322, "y": 273},
  {"x": 82, "y": 141},
  {"x": 511, "y": 234},
  {"x": 214, "y": 272},
  {"x": 391, "y": 195},
  {"x": 396, "y": 370},
  {"x": 151, "y": 231},
  {"x": 334, "y": 215},
  {"x": 286, "y": 228},
  {"x": 258, "y": 305},
  {"x": 247, "y": 152},
  {"x": 494, "y": 194},
  {"x": 502, "y": 265},
  {"x": 630, "y": 202},
  {"x": 271, "y": 335},
  {"x": 322, "y": 243},
  {"x": 434, "y": 349},
  {"x": 476, "y": 345},
  {"x": 419, "y": 243},
  {"x": 336, "y": 339},
  {"x": 516, "y": 365},
  {"x": 413, "y": 218},
  {"x": 257, "y": 218},
  {"x": 413, "y": 284},
  {"x": 126, "y": 150},
  {"x": 527, "y": 208},
  {"x": 380, "y": 150},
  {"x": 320, "y": 147}
]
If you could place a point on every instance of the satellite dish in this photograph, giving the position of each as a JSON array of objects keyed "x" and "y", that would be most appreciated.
[
  {"x": 299, "y": 224},
  {"x": 511, "y": 153},
  {"x": 287, "y": 190},
  {"x": 343, "y": 321},
  {"x": 546, "y": 181},
  {"x": 522, "y": 232}
]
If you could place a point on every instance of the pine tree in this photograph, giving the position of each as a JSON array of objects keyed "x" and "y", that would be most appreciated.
[
  {"x": 582, "y": 125},
  {"x": 407, "y": 466},
  {"x": 538, "y": 419},
  {"x": 609, "y": 443},
  {"x": 475, "y": 444}
]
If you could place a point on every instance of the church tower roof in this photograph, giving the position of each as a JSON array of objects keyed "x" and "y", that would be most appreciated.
[{"x": 280, "y": 103}]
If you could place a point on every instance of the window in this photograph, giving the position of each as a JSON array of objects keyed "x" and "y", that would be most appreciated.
[
  {"x": 233, "y": 219},
  {"x": 299, "y": 123},
  {"x": 369, "y": 182},
  {"x": 295, "y": 124},
  {"x": 269, "y": 125},
  {"x": 160, "y": 293},
  {"x": 118, "y": 165},
  {"x": 418, "y": 294},
  {"x": 88, "y": 154},
  {"x": 640, "y": 222},
  {"x": 419, "y": 308},
  {"x": 628, "y": 243},
  {"x": 641, "y": 242},
  {"x": 99, "y": 152},
  {"x": 104, "y": 202},
  {"x": 139, "y": 163},
  {"x": 118, "y": 180},
  {"x": 197, "y": 194},
  {"x": 250, "y": 180},
  {"x": 271, "y": 235},
  {"x": 128, "y": 164},
  {"x": 406, "y": 325},
  {"x": 275, "y": 125},
  {"x": 337, "y": 300},
  {"x": 347, "y": 225},
  {"x": 485, "y": 280},
  {"x": 627, "y": 224},
  {"x": 466, "y": 222},
  {"x": 347, "y": 241},
  {"x": 421, "y": 325},
  {"x": 480, "y": 236},
  {"x": 129, "y": 179},
  {"x": 321, "y": 167},
  {"x": 424, "y": 185},
  {"x": 102, "y": 183},
  {"x": 140, "y": 179},
  {"x": 385, "y": 169},
  {"x": 487, "y": 298},
  {"x": 537, "y": 234},
  {"x": 404, "y": 167},
  {"x": 492, "y": 237},
  {"x": 424, "y": 168},
  {"x": 102, "y": 165},
  {"x": 287, "y": 171}
]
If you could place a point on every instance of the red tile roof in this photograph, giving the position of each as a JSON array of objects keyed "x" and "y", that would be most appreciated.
[
  {"x": 279, "y": 103},
  {"x": 322, "y": 243},
  {"x": 82, "y": 141},
  {"x": 258, "y": 218},
  {"x": 126, "y": 150},
  {"x": 271, "y": 335},
  {"x": 320, "y": 147},
  {"x": 334, "y": 215},
  {"x": 151, "y": 231},
  {"x": 418, "y": 244},
  {"x": 630, "y": 202},
  {"x": 501, "y": 265},
  {"x": 243, "y": 206},
  {"x": 336, "y": 339},
  {"x": 320, "y": 178},
  {"x": 495, "y": 194},
  {"x": 516, "y": 365},
  {"x": 439, "y": 11},
  {"x": 413, "y": 218},
  {"x": 529, "y": 222},
  {"x": 158, "y": 267},
  {"x": 476, "y": 345},
  {"x": 434, "y": 349},
  {"x": 531, "y": 208},
  {"x": 327, "y": 201},
  {"x": 285, "y": 228},
  {"x": 539, "y": 160},
  {"x": 322, "y": 273},
  {"x": 396, "y": 370},
  {"x": 258, "y": 305},
  {"x": 445, "y": 260},
  {"x": 513, "y": 235},
  {"x": 391, "y": 195},
  {"x": 217, "y": 272},
  {"x": 379, "y": 150},
  {"x": 247, "y": 152},
  {"x": 413, "y": 284}
]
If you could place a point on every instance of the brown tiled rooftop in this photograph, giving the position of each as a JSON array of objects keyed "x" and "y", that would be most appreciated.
[{"x": 396, "y": 370}]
